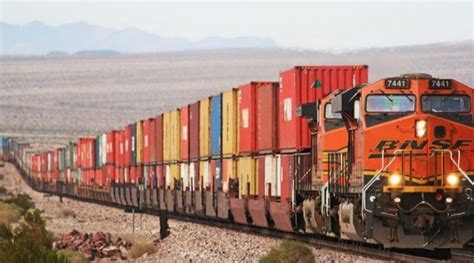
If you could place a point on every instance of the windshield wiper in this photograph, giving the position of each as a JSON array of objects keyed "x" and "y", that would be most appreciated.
[
  {"x": 386, "y": 95},
  {"x": 407, "y": 96}
]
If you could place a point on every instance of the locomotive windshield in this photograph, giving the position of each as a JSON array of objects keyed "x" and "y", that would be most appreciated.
[
  {"x": 390, "y": 103},
  {"x": 445, "y": 103}
]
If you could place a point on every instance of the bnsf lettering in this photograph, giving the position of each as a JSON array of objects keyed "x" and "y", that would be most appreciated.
[{"x": 388, "y": 145}]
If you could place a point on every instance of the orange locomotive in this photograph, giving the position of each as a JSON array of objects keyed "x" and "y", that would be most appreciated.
[{"x": 395, "y": 164}]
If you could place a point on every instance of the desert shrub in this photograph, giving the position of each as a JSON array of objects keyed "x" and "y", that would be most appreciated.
[
  {"x": 3, "y": 190},
  {"x": 73, "y": 256},
  {"x": 66, "y": 212},
  {"x": 22, "y": 201},
  {"x": 140, "y": 248},
  {"x": 9, "y": 213},
  {"x": 29, "y": 242},
  {"x": 2, "y": 176},
  {"x": 289, "y": 251}
]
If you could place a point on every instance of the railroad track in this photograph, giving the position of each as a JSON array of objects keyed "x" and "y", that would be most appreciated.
[{"x": 368, "y": 250}]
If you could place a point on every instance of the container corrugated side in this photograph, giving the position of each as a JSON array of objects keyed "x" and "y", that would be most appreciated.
[
  {"x": 246, "y": 171},
  {"x": 216, "y": 126},
  {"x": 267, "y": 119},
  {"x": 139, "y": 142},
  {"x": 204, "y": 129},
  {"x": 184, "y": 128},
  {"x": 194, "y": 130},
  {"x": 159, "y": 129},
  {"x": 306, "y": 84},
  {"x": 230, "y": 124}
]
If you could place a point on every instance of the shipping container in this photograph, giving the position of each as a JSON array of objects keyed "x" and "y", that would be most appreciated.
[
  {"x": 111, "y": 148},
  {"x": 184, "y": 138},
  {"x": 172, "y": 175},
  {"x": 267, "y": 118},
  {"x": 216, "y": 126},
  {"x": 269, "y": 176},
  {"x": 72, "y": 155},
  {"x": 127, "y": 142},
  {"x": 215, "y": 170},
  {"x": 146, "y": 138},
  {"x": 230, "y": 123},
  {"x": 139, "y": 142},
  {"x": 246, "y": 171},
  {"x": 194, "y": 130},
  {"x": 257, "y": 108},
  {"x": 229, "y": 173},
  {"x": 160, "y": 176},
  {"x": 149, "y": 142},
  {"x": 119, "y": 148},
  {"x": 86, "y": 153},
  {"x": 185, "y": 181},
  {"x": 133, "y": 144},
  {"x": 204, "y": 175},
  {"x": 171, "y": 136},
  {"x": 307, "y": 84},
  {"x": 204, "y": 129},
  {"x": 194, "y": 175},
  {"x": 159, "y": 139}
]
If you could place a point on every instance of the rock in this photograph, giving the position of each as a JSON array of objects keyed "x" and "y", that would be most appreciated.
[{"x": 124, "y": 252}]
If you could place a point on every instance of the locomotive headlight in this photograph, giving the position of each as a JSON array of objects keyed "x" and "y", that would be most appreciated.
[
  {"x": 395, "y": 180},
  {"x": 420, "y": 128},
  {"x": 452, "y": 179}
]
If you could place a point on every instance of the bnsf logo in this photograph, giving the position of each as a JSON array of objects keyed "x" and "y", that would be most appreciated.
[{"x": 415, "y": 145}]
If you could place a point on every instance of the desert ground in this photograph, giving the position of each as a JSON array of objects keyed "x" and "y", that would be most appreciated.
[
  {"x": 51, "y": 100},
  {"x": 187, "y": 242}
]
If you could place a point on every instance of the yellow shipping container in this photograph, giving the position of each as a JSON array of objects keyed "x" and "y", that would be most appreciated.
[
  {"x": 230, "y": 123},
  {"x": 166, "y": 136},
  {"x": 171, "y": 136},
  {"x": 246, "y": 170},
  {"x": 204, "y": 175},
  {"x": 229, "y": 171},
  {"x": 139, "y": 127},
  {"x": 172, "y": 175},
  {"x": 175, "y": 135},
  {"x": 204, "y": 139}
]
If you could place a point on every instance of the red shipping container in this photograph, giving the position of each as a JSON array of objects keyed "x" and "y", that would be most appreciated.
[
  {"x": 267, "y": 122},
  {"x": 146, "y": 138},
  {"x": 126, "y": 175},
  {"x": 127, "y": 145},
  {"x": 287, "y": 165},
  {"x": 194, "y": 131},
  {"x": 306, "y": 84},
  {"x": 159, "y": 139},
  {"x": 184, "y": 120},
  {"x": 249, "y": 112},
  {"x": 86, "y": 154},
  {"x": 160, "y": 176},
  {"x": 110, "y": 174},
  {"x": 152, "y": 140},
  {"x": 111, "y": 149},
  {"x": 133, "y": 174},
  {"x": 118, "y": 153},
  {"x": 55, "y": 166}
]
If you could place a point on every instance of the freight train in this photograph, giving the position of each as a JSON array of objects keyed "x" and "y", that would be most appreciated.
[{"x": 319, "y": 152}]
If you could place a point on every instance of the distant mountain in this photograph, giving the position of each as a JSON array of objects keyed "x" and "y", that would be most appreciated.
[{"x": 37, "y": 38}]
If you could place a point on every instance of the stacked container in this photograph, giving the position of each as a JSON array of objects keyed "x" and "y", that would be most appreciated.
[
  {"x": 307, "y": 84},
  {"x": 230, "y": 124}
]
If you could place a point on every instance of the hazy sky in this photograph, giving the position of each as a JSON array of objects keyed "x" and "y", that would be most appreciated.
[{"x": 306, "y": 25}]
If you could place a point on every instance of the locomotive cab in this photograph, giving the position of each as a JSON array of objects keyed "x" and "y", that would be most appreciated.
[{"x": 414, "y": 148}]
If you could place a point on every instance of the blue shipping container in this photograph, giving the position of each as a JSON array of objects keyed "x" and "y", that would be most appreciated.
[{"x": 216, "y": 126}]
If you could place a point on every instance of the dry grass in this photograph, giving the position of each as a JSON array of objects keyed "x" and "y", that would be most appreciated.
[
  {"x": 141, "y": 248},
  {"x": 9, "y": 213},
  {"x": 66, "y": 212},
  {"x": 73, "y": 256}
]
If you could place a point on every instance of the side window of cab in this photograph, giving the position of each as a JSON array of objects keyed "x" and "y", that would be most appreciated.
[{"x": 332, "y": 120}]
